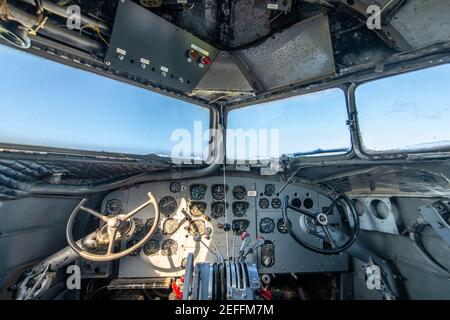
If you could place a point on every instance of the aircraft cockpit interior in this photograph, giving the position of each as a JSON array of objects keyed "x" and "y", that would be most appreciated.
[{"x": 224, "y": 150}]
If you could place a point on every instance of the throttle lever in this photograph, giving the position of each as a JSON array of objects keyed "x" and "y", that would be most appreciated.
[
  {"x": 245, "y": 237},
  {"x": 258, "y": 243}
]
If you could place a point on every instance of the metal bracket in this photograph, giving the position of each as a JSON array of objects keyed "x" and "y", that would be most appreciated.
[{"x": 437, "y": 214}]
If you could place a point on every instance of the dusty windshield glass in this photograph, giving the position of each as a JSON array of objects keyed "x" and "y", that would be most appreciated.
[
  {"x": 311, "y": 124},
  {"x": 48, "y": 104},
  {"x": 409, "y": 112}
]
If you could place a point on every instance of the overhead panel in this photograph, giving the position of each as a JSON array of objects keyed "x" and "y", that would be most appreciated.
[
  {"x": 298, "y": 54},
  {"x": 146, "y": 46},
  {"x": 279, "y": 5}
]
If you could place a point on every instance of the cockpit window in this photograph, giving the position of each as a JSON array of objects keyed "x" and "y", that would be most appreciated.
[
  {"x": 47, "y": 104},
  {"x": 409, "y": 112},
  {"x": 306, "y": 125}
]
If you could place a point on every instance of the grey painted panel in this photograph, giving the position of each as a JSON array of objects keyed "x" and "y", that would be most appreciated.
[
  {"x": 31, "y": 229},
  {"x": 163, "y": 52},
  {"x": 26, "y": 214},
  {"x": 290, "y": 257}
]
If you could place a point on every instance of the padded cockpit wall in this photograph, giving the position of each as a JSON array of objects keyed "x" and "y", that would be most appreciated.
[
  {"x": 16, "y": 174},
  {"x": 417, "y": 278},
  {"x": 30, "y": 230}
]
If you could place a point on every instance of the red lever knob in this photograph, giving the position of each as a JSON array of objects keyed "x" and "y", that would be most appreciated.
[{"x": 206, "y": 61}]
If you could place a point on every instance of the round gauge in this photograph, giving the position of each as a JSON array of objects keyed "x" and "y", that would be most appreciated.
[
  {"x": 197, "y": 208},
  {"x": 198, "y": 191},
  {"x": 239, "y": 192},
  {"x": 175, "y": 187},
  {"x": 296, "y": 202},
  {"x": 264, "y": 203},
  {"x": 184, "y": 263},
  {"x": 240, "y": 225},
  {"x": 197, "y": 227},
  {"x": 170, "y": 226},
  {"x": 266, "y": 225},
  {"x": 240, "y": 208},
  {"x": 138, "y": 225},
  {"x": 151, "y": 247},
  {"x": 218, "y": 209},
  {"x": 268, "y": 254},
  {"x": 308, "y": 203},
  {"x": 269, "y": 190},
  {"x": 113, "y": 207},
  {"x": 169, "y": 247},
  {"x": 276, "y": 203},
  {"x": 218, "y": 191},
  {"x": 150, "y": 223},
  {"x": 167, "y": 205},
  {"x": 132, "y": 243},
  {"x": 281, "y": 226}
]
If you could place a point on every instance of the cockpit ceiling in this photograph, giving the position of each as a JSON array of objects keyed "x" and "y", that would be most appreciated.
[{"x": 228, "y": 52}]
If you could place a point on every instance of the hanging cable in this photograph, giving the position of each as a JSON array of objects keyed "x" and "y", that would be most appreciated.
[
  {"x": 96, "y": 29},
  {"x": 225, "y": 181}
]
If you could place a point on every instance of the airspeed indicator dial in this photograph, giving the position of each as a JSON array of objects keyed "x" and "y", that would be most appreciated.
[
  {"x": 267, "y": 225},
  {"x": 198, "y": 191},
  {"x": 218, "y": 209},
  {"x": 167, "y": 205},
  {"x": 218, "y": 192},
  {"x": 170, "y": 226},
  {"x": 239, "y": 192},
  {"x": 240, "y": 208},
  {"x": 113, "y": 207},
  {"x": 169, "y": 247},
  {"x": 151, "y": 247}
]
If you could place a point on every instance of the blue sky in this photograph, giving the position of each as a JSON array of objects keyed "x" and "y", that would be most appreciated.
[
  {"x": 306, "y": 123},
  {"x": 48, "y": 104},
  {"x": 406, "y": 111}
]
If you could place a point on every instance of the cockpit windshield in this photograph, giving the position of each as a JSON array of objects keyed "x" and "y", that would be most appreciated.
[
  {"x": 311, "y": 124},
  {"x": 47, "y": 104},
  {"x": 408, "y": 112}
]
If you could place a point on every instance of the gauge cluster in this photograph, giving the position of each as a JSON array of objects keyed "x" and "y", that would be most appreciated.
[
  {"x": 279, "y": 252},
  {"x": 217, "y": 213}
]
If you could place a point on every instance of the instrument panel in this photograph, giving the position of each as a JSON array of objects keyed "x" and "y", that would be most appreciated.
[{"x": 220, "y": 213}]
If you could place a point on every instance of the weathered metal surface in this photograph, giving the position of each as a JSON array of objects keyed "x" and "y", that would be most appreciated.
[
  {"x": 301, "y": 53},
  {"x": 224, "y": 75},
  {"x": 248, "y": 22},
  {"x": 423, "y": 22}
]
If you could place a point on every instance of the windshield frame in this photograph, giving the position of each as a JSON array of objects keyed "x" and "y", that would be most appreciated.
[
  {"x": 349, "y": 85},
  {"x": 391, "y": 154},
  {"x": 45, "y": 152},
  {"x": 76, "y": 153},
  {"x": 305, "y": 158}
]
